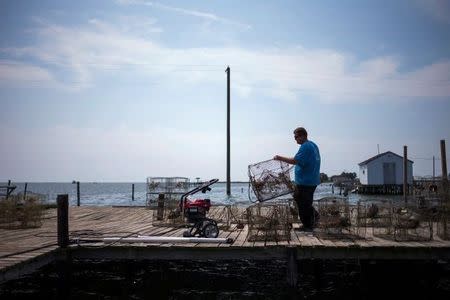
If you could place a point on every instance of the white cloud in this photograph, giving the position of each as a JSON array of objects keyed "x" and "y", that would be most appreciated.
[
  {"x": 15, "y": 71},
  {"x": 195, "y": 13},
  {"x": 88, "y": 51}
]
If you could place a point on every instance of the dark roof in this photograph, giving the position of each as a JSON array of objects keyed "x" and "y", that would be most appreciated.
[{"x": 379, "y": 155}]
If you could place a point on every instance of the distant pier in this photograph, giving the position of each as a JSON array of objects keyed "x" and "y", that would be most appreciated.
[{"x": 385, "y": 189}]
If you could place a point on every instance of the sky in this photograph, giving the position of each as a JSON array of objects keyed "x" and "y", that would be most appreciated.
[{"x": 121, "y": 90}]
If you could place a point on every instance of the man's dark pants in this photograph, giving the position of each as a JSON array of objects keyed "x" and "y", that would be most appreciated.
[{"x": 303, "y": 195}]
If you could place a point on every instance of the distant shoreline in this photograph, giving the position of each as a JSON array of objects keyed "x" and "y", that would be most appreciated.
[{"x": 95, "y": 182}]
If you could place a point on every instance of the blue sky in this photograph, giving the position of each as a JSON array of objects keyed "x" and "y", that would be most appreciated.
[{"x": 121, "y": 90}]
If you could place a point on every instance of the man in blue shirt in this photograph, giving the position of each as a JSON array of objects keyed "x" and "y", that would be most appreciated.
[{"x": 307, "y": 176}]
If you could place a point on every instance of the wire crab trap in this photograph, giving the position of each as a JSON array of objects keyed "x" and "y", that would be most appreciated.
[
  {"x": 443, "y": 223},
  {"x": 16, "y": 212},
  {"x": 359, "y": 225},
  {"x": 410, "y": 224},
  {"x": 167, "y": 212},
  {"x": 429, "y": 208},
  {"x": 171, "y": 187},
  {"x": 335, "y": 218},
  {"x": 377, "y": 215},
  {"x": 228, "y": 215},
  {"x": 399, "y": 221},
  {"x": 269, "y": 222},
  {"x": 270, "y": 179}
]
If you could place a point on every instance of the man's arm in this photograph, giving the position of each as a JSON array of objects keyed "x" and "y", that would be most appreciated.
[{"x": 289, "y": 160}]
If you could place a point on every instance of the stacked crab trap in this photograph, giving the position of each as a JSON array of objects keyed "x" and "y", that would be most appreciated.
[
  {"x": 399, "y": 221},
  {"x": 340, "y": 220},
  {"x": 163, "y": 196}
]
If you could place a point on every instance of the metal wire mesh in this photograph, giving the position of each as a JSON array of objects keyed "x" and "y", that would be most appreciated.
[
  {"x": 359, "y": 226},
  {"x": 339, "y": 219},
  {"x": 443, "y": 224},
  {"x": 409, "y": 224},
  {"x": 167, "y": 213},
  {"x": 270, "y": 179},
  {"x": 269, "y": 222},
  {"x": 377, "y": 214},
  {"x": 227, "y": 215},
  {"x": 400, "y": 221},
  {"x": 167, "y": 186},
  {"x": 16, "y": 212}
]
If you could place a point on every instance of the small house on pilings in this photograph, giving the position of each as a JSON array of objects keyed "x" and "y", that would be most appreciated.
[{"x": 383, "y": 174}]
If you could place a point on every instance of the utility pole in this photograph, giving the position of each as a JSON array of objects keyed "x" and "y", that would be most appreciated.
[
  {"x": 434, "y": 169},
  {"x": 405, "y": 173},
  {"x": 228, "y": 131},
  {"x": 444, "y": 171}
]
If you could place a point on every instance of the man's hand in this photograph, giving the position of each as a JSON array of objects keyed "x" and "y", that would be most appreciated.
[{"x": 288, "y": 160}]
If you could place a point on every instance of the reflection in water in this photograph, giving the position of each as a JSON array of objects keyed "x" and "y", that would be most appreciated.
[{"x": 233, "y": 279}]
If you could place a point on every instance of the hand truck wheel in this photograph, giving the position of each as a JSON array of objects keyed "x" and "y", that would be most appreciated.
[{"x": 210, "y": 230}]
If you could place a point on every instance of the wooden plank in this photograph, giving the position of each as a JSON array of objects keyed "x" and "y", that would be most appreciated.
[
  {"x": 111, "y": 221},
  {"x": 233, "y": 233},
  {"x": 242, "y": 237}
]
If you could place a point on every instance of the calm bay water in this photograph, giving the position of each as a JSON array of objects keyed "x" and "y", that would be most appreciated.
[{"x": 119, "y": 193}]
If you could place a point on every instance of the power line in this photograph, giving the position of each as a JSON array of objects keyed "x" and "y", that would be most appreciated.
[
  {"x": 250, "y": 70},
  {"x": 425, "y": 158}
]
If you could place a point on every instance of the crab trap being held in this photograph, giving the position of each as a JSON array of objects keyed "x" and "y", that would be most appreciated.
[{"x": 270, "y": 179}]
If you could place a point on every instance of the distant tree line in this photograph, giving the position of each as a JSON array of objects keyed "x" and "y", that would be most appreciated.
[{"x": 325, "y": 178}]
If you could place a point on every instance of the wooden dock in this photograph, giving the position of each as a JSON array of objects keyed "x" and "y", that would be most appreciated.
[{"x": 24, "y": 250}]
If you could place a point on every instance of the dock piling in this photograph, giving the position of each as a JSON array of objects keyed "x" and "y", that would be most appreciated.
[
  {"x": 63, "y": 220},
  {"x": 132, "y": 192},
  {"x": 444, "y": 168},
  {"x": 25, "y": 191},
  {"x": 7, "y": 192},
  {"x": 78, "y": 193},
  {"x": 405, "y": 173},
  {"x": 160, "y": 211},
  {"x": 292, "y": 267}
]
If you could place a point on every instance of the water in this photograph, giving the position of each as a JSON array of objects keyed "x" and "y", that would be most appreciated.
[
  {"x": 233, "y": 279},
  {"x": 108, "y": 193}
]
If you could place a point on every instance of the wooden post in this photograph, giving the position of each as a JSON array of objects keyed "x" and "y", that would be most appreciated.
[
  {"x": 444, "y": 170},
  {"x": 25, "y": 191},
  {"x": 405, "y": 173},
  {"x": 228, "y": 132},
  {"x": 78, "y": 193},
  {"x": 63, "y": 220},
  {"x": 292, "y": 267},
  {"x": 7, "y": 189},
  {"x": 160, "y": 209},
  {"x": 132, "y": 192}
]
